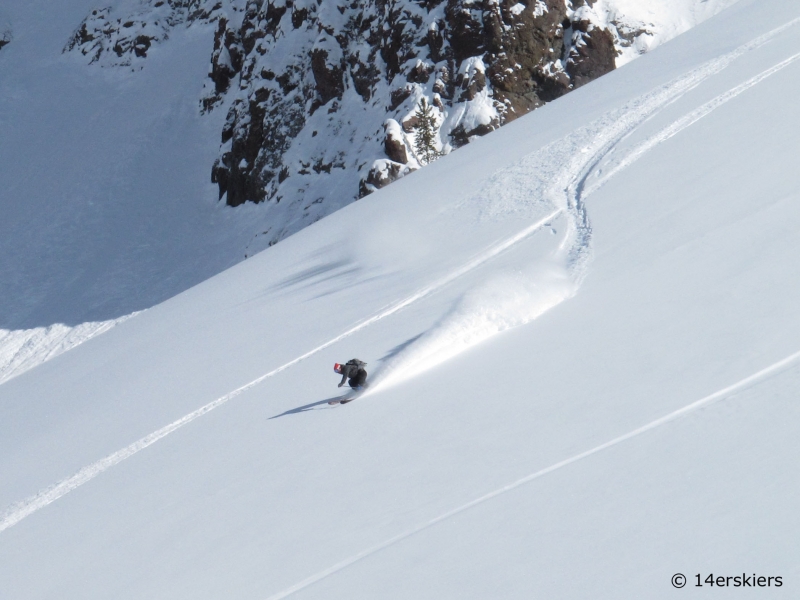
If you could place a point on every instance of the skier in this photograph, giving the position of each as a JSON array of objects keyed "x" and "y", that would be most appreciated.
[{"x": 353, "y": 370}]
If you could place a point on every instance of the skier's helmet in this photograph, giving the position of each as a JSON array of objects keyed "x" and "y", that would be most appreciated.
[{"x": 337, "y": 367}]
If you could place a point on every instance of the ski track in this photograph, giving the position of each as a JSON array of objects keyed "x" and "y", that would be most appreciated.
[
  {"x": 603, "y": 136},
  {"x": 677, "y": 414},
  {"x": 18, "y": 511},
  {"x": 557, "y": 175},
  {"x": 688, "y": 120}
]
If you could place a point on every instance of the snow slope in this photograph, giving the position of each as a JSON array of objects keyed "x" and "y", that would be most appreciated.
[
  {"x": 604, "y": 293},
  {"x": 106, "y": 207}
]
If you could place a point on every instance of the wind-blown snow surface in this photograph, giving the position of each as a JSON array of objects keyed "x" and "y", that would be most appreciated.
[{"x": 612, "y": 281}]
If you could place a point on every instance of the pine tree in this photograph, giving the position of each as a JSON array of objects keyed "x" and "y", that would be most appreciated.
[{"x": 425, "y": 137}]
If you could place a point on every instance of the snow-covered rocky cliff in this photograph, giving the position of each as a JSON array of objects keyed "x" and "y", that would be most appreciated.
[{"x": 320, "y": 97}]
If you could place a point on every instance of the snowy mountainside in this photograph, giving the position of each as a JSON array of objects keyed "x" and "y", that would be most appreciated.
[
  {"x": 275, "y": 65},
  {"x": 107, "y": 141},
  {"x": 479, "y": 64},
  {"x": 583, "y": 341}
]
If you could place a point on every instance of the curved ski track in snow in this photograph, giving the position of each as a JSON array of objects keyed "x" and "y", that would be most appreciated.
[
  {"x": 603, "y": 136},
  {"x": 688, "y": 120},
  {"x": 557, "y": 175},
  {"x": 677, "y": 414}
]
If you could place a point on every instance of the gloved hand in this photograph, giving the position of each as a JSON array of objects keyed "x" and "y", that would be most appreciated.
[{"x": 340, "y": 385}]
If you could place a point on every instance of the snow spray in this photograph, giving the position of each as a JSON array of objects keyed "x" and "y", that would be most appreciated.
[{"x": 508, "y": 299}]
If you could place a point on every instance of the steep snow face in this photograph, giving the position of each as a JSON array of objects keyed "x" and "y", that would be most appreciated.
[
  {"x": 583, "y": 335},
  {"x": 107, "y": 140}
]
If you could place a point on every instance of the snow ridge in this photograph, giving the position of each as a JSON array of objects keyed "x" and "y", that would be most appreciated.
[{"x": 24, "y": 349}]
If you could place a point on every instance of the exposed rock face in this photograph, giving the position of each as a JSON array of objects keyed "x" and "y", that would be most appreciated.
[
  {"x": 382, "y": 173},
  {"x": 120, "y": 41},
  {"x": 592, "y": 55},
  {"x": 394, "y": 142},
  {"x": 481, "y": 63},
  {"x": 226, "y": 61},
  {"x": 320, "y": 96}
]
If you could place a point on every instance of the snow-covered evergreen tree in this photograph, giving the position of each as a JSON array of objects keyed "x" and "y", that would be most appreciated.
[{"x": 426, "y": 132}]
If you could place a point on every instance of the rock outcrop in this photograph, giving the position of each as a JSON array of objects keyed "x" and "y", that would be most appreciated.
[
  {"x": 345, "y": 67},
  {"x": 124, "y": 40},
  {"x": 320, "y": 96}
]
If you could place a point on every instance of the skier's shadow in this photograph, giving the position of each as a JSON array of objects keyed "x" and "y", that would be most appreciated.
[
  {"x": 305, "y": 408},
  {"x": 399, "y": 348}
]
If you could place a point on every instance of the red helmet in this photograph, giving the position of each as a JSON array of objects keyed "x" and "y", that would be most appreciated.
[{"x": 336, "y": 367}]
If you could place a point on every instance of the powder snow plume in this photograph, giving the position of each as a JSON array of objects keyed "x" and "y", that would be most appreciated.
[{"x": 506, "y": 300}]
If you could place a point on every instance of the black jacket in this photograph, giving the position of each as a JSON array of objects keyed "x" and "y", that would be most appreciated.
[{"x": 351, "y": 371}]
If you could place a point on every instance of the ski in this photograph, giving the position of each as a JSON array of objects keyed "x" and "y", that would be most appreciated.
[{"x": 347, "y": 398}]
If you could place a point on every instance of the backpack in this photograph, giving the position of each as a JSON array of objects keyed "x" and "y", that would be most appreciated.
[{"x": 355, "y": 362}]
